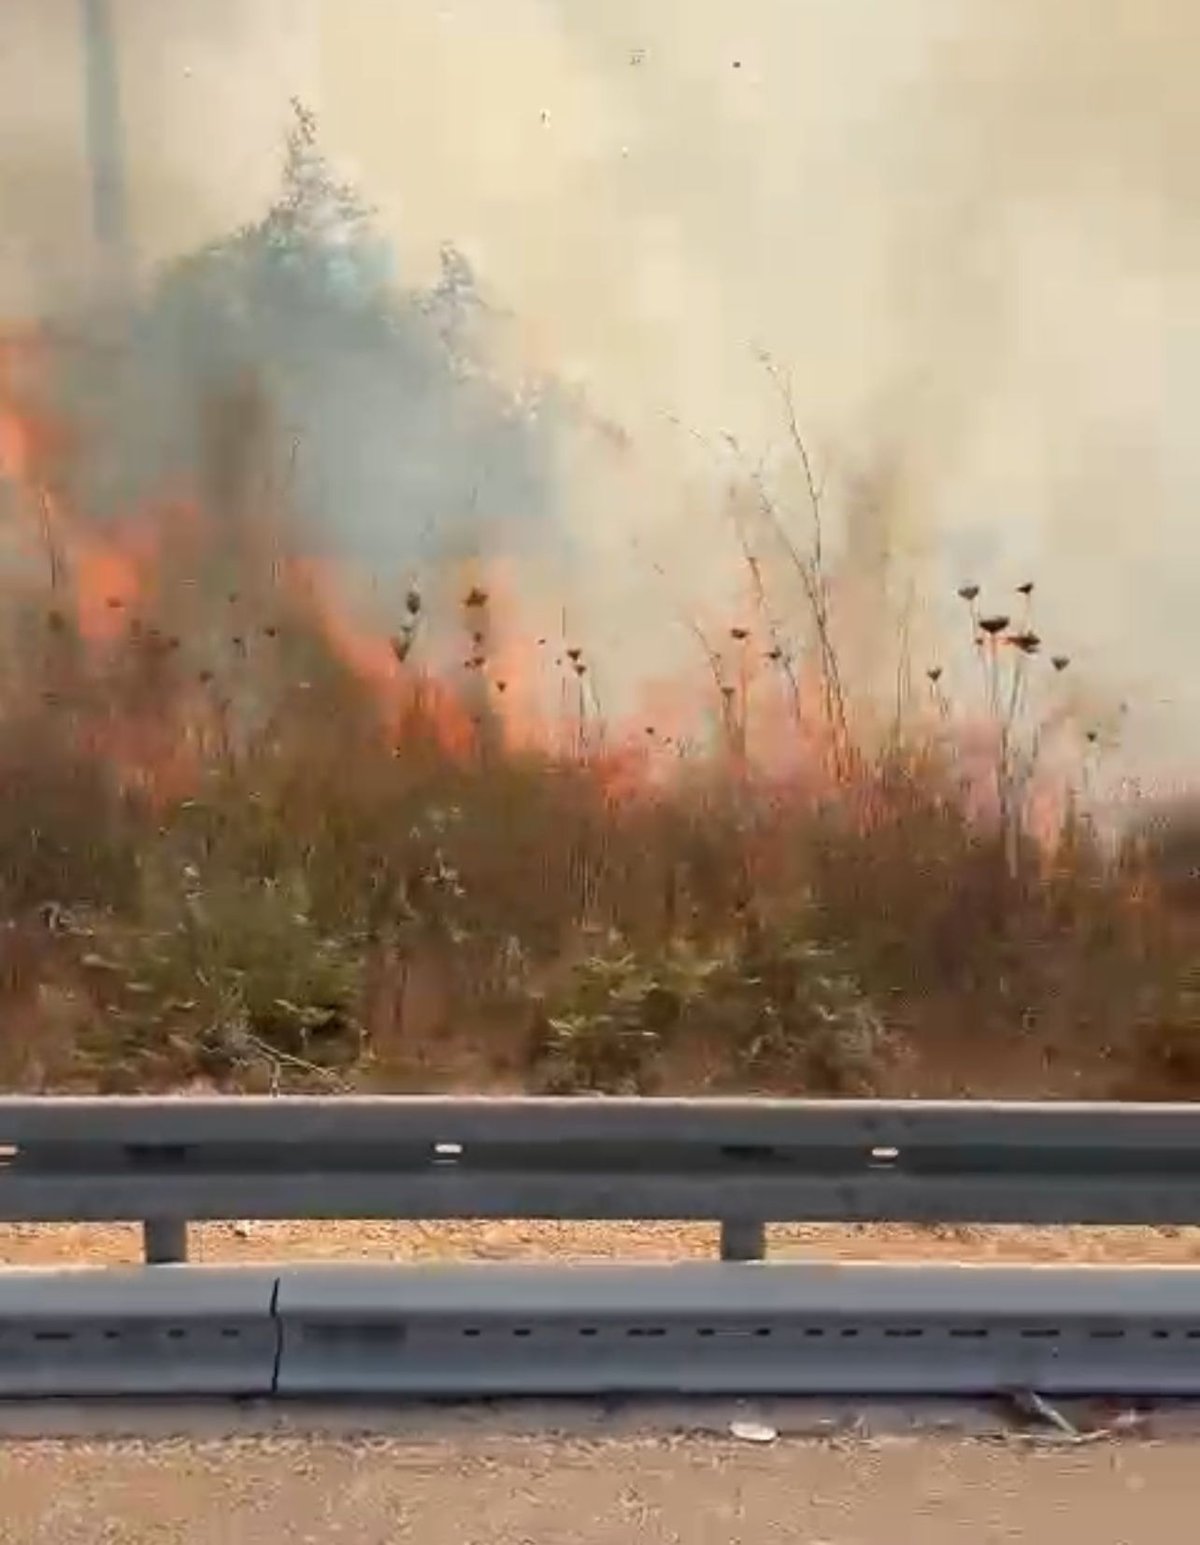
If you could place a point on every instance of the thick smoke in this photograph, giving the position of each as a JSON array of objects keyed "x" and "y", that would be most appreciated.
[
  {"x": 286, "y": 365},
  {"x": 964, "y": 227}
]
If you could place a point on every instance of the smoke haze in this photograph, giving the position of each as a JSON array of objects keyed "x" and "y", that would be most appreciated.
[{"x": 967, "y": 229}]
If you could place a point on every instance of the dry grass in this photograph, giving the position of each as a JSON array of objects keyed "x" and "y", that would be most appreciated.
[{"x": 249, "y": 863}]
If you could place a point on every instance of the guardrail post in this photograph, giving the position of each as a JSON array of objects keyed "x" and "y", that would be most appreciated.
[
  {"x": 165, "y": 1241},
  {"x": 743, "y": 1239}
]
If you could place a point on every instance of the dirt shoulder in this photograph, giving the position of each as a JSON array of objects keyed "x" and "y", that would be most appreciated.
[
  {"x": 82, "y": 1244},
  {"x": 503, "y": 1491}
]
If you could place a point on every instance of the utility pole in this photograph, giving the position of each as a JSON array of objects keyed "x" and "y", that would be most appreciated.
[{"x": 106, "y": 151}]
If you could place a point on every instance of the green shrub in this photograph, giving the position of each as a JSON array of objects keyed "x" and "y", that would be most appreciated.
[
  {"x": 222, "y": 979},
  {"x": 781, "y": 1005}
]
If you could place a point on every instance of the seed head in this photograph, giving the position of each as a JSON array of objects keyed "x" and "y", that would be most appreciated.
[
  {"x": 412, "y": 602},
  {"x": 968, "y": 592},
  {"x": 1027, "y": 642},
  {"x": 934, "y": 673},
  {"x": 1060, "y": 661},
  {"x": 741, "y": 634},
  {"x": 1025, "y": 589},
  {"x": 994, "y": 625}
]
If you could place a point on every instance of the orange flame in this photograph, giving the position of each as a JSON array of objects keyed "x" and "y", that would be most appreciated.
[
  {"x": 492, "y": 685},
  {"x": 397, "y": 689}
]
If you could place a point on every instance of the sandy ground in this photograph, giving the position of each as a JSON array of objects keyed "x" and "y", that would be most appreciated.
[
  {"x": 49, "y": 1245},
  {"x": 525, "y": 1491}
]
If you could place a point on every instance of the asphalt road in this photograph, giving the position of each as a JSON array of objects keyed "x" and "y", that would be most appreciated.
[{"x": 487, "y": 1490}]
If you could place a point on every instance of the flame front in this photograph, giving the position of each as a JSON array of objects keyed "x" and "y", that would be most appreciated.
[
  {"x": 162, "y": 668},
  {"x": 114, "y": 595}
]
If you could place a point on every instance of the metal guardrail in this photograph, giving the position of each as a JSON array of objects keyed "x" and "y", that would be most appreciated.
[
  {"x": 816, "y": 1328},
  {"x": 494, "y": 1331},
  {"x": 168, "y": 1328},
  {"x": 741, "y": 1163}
]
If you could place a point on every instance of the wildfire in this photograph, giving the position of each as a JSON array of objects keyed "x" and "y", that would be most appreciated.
[
  {"x": 28, "y": 441},
  {"x": 114, "y": 585},
  {"x": 159, "y": 656},
  {"x": 110, "y": 579},
  {"x": 397, "y": 687}
]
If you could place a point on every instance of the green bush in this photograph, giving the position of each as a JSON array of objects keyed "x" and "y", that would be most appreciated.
[
  {"x": 222, "y": 979},
  {"x": 781, "y": 1005}
]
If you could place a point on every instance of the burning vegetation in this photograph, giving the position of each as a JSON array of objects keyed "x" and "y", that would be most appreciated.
[
  {"x": 249, "y": 838},
  {"x": 258, "y": 835}
]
